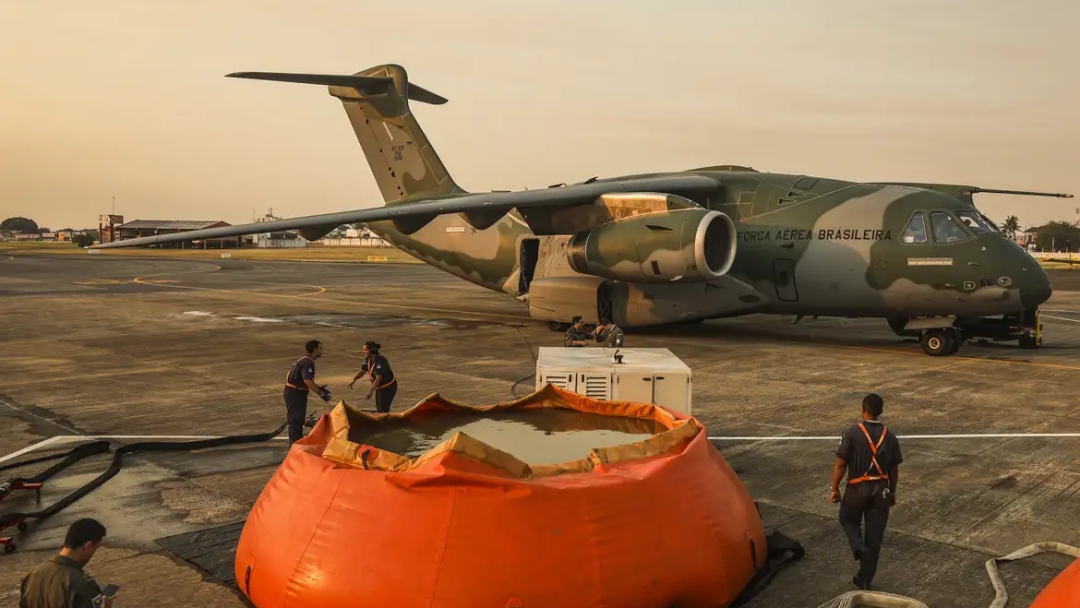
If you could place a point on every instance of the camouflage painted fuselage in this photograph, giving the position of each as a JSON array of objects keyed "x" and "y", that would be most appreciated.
[{"x": 806, "y": 245}]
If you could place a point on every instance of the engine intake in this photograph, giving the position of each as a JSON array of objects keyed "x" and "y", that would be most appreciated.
[{"x": 686, "y": 245}]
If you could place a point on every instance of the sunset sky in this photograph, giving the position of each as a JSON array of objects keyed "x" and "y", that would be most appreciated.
[{"x": 128, "y": 99}]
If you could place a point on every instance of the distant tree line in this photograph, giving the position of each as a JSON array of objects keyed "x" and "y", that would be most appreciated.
[
  {"x": 1056, "y": 236},
  {"x": 29, "y": 226},
  {"x": 20, "y": 224}
]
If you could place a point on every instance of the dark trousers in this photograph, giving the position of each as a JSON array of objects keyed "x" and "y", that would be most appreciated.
[
  {"x": 295, "y": 412},
  {"x": 863, "y": 501},
  {"x": 384, "y": 397}
]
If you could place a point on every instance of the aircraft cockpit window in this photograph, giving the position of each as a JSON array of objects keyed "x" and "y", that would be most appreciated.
[
  {"x": 916, "y": 230},
  {"x": 946, "y": 230},
  {"x": 976, "y": 222}
]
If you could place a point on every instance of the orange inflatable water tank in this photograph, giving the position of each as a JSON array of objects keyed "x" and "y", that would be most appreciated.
[
  {"x": 1063, "y": 591},
  {"x": 650, "y": 523}
]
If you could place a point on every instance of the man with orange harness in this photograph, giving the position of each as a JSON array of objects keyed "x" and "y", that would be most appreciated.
[
  {"x": 866, "y": 446},
  {"x": 298, "y": 383},
  {"x": 383, "y": 381}
]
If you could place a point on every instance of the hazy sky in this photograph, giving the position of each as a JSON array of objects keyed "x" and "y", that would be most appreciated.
[{"x": 128, "y": 99}]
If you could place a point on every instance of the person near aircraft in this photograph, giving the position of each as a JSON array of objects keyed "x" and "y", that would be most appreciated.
[
  {"x": 383, "y": 381},
  {"x": 609, "y": 334},
  {"x": 299, "y": 382},
  {"x": 61, "y": 581},
  {"x": 872, "y": 457},
  {"x": 577, "y": 335}
]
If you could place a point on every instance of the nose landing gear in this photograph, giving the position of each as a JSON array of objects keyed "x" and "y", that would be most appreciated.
[{"x": 940, "y": 342}]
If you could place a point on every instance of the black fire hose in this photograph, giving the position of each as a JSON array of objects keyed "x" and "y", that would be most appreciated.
[
  {"x": 96, "y": 447},
  {"x": 9, "y": 519},
  {"x": 69, "y": 458}
]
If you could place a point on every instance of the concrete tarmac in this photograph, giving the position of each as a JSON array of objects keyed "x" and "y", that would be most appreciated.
[{"x": 120, "y": 346}]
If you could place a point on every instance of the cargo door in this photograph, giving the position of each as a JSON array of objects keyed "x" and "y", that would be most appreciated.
[
  {"x": 594, "y": 385},
  {"x": 528, "y": 255}
]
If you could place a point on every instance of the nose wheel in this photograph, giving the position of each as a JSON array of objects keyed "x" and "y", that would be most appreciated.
[
  {"x": 1029, "y": 341},
  {"x": 941, "y": 342}
]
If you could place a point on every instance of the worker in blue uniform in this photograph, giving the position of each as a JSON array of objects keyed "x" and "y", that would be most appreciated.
[
  {"x": 299, "y": 382},
  {"x": 383, "y": 381}
]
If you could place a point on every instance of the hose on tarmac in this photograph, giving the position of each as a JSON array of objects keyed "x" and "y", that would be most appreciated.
[
  {"x": 9, "y": 519},
  {"x": 1001, "y": 596},
  {"x": 877, "y": 599}
]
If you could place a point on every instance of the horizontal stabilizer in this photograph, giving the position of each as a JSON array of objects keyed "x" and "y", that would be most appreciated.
[{"x": 370, "y": 85}]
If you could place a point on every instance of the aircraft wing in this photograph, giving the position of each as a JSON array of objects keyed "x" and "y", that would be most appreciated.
[{"x": 481, "y": 210}]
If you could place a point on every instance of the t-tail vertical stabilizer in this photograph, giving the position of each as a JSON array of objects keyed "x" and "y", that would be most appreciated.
[{"x": 377, "y": 102}]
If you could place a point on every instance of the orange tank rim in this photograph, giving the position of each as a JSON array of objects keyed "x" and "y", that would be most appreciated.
[{"x": 329, "y": 439}]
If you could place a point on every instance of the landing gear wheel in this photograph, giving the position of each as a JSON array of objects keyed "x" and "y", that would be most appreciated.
[
  {"x": 22, "y": 526},
  {"x": 1029, "y": 341},
  {"x": 10, "y": 548},
  {"x": 556, "y": 326},
  {"x": 957, "y": 342},
  {"x": 938, "y": 342}
]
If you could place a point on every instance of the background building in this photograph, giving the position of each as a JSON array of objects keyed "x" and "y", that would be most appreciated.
[{"x": 142, "y": 228}]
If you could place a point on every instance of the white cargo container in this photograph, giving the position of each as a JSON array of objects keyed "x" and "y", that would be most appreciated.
[{"x": 640, "y": 375}]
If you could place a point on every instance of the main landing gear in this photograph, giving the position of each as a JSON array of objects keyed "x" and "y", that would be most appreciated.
[{"x": 943, "y": 336}]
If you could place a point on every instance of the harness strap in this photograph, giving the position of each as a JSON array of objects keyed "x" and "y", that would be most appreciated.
[
  {"x": 873, "y": 458},
  {"x": 371, "y": 372},
  {"x": 289, "y": 373}
]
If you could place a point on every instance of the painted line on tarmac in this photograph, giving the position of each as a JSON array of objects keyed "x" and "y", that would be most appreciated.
[
  {"x": 75, "y": 438},
  {"x": 1060, "y": 318},
  {"x": 956, "y": 436},
  {"x": 31, "y": 448},
  {"x": 60, "y": 439}
]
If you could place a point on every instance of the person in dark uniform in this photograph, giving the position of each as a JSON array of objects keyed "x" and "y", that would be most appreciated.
[
  {"x": 383, "y": 382},
  {"x": 299, "y": 382},
  {"x": 871, "y": 455},
  {"x": 577, "y": 335},
  {"x": 61, "y": 582}
]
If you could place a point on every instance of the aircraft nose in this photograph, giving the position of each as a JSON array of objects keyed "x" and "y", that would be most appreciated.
[{"x": 1036, "y": 289}]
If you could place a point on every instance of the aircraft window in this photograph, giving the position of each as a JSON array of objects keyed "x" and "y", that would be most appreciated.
[
  {"x": 916, "y": 230},
  {"x": 946, "y": 230},
  {"x": 806, "y": 183},
  {"x": 976, "y": 222}
]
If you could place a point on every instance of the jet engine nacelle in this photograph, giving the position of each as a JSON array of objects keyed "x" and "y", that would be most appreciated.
[{"x": 684, "y": 245}]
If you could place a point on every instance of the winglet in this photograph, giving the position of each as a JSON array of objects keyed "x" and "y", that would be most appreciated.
[{"x": 370, "y": 85}]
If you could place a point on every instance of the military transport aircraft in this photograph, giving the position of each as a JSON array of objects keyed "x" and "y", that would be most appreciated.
[{"x": 677, "y": 247}]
